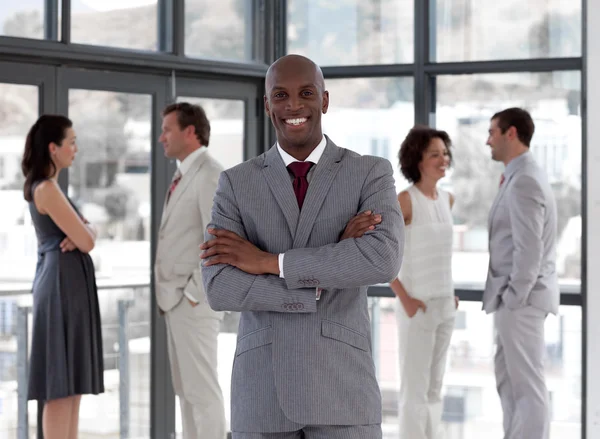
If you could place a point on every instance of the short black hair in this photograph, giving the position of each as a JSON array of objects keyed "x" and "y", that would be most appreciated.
[
  {"x": 414, "y": 145},
  {"x": 518, "y": 118}
]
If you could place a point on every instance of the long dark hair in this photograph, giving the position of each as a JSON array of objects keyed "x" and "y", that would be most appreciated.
[{"x": 37, "y": 163}]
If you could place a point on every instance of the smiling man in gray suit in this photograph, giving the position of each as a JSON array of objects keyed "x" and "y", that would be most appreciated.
[
  {"x": 522, "y": 285},
  {"x": 285, "y": 254}
]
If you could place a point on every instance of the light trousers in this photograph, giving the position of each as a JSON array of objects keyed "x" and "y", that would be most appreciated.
[
  {"x": 519, "y": 366},
  {"x": 423, "y": 347},
  {"x": 192, "y": 345}
]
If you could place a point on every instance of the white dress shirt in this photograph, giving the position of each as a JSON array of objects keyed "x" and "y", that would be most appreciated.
[
  {"x": 314, "y": 157},
  {"x": 184, "y": 167}
]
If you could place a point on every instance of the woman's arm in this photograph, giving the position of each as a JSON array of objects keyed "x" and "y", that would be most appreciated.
[{"x": 50, "y": 200}]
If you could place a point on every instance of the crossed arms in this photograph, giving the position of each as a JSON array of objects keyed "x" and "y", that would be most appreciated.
[{"x": 240, "y": 277}]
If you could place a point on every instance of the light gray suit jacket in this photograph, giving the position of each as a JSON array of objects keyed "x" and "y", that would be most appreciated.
[
  {"x": 522, "y": 241},
  {"x": 184, "y": 220},
  {"x": 300, "y": 361}
]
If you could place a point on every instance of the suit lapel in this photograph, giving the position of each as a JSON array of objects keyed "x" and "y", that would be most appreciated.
[
  {"x": 320, "y": 183},
  {"x": 280, "y": 183},
  {"x": 181, "y": 187},
  {"x": 502, "y": 190}
]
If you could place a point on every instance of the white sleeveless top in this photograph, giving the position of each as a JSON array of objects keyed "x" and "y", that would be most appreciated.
[{"x": 426, "y": 270}]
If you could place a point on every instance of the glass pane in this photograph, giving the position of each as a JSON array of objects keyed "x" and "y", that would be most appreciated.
[
  {"x": 128, "y": 24},
  {"x": 352, "y": 32},
  {"x": 23, "y": 19},
  {"x": 110, "y": 182},
  {"x": 380, "y": 112},
  {"x": 473, "y": 30},
  {"x": 226, "y": 117},
  {"x": 220, "y": 29},
  {"x": 18, "y": 247},
  {"x": 464, "y": 107},
  {"x": 469, "y": 381}
]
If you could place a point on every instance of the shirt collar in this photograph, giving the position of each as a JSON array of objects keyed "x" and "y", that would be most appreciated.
[
  {"x": 314, "y": 156},
  {"x": 516, "y": 163},
  {"x": 186, "y": 164}
]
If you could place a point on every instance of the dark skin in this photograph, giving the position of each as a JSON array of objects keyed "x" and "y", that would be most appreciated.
[{"x": 295, "y": 100}]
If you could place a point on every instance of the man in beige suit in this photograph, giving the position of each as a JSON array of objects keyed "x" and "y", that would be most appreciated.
[{"x": 192, "y": 326}]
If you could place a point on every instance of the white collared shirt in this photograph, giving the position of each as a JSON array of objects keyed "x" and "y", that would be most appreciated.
[
  {"x": 314, "y": 157},
  {"x": 186, "y": 164},
  {"x": 184, "y": 167}
]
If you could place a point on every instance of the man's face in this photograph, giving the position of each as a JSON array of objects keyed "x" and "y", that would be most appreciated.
[
  {"x": 172, "y": 136},
  {"x": 497, "y": 141},
  {"x": 295, "y": 100}
]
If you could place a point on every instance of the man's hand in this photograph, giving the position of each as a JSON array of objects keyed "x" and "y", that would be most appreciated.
[
  {"x": 412, "y": 305},
  {"x": 67, "y": 245},
  {"x": 229, "y": 248},
  {"x": 360, "y": 224}
]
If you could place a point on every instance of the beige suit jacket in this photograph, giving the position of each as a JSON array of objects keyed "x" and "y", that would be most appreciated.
[{"x": 184, "y": 220}]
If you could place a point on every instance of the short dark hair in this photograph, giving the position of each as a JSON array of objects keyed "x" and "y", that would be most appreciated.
[
  {"x": 36, "y": 163},
  {"x": 194, "y": 115},
  {"x": 414, "y": 145},
  {"x": 518, "y": 118}
]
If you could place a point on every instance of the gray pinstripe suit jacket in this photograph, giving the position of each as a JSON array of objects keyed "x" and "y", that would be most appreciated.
[{"x": 300, "y": 361}]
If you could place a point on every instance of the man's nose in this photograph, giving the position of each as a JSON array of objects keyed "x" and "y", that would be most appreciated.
[{"x": 294, "y": 104}]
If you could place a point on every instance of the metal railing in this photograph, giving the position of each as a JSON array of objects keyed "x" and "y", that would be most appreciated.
[
  {"x": 24, "y": 308},
  {"x": 569, "y": 296}
]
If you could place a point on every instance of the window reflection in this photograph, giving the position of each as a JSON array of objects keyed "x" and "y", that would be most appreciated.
[
  {"x": 471, "y": 403},
  {"x": 464, "y": 107},
  {"x": 472, "y": 30},
  {"x": 351, "y": 32},
  {"x": 22, "y": 19},
  {"x": 371, "y": 116}
]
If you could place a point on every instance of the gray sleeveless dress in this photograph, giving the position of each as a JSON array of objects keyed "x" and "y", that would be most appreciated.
[{"x": 66, "y": 346}]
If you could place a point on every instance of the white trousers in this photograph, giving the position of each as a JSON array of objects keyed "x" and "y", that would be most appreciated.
[
  {"x": 519, "y": 365},
  {"x": 192, "y": 344},
  {"x": 423, "y": 346}
]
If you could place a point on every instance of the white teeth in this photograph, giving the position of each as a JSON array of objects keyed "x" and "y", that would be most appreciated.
[{"x": 298, "y": 121}]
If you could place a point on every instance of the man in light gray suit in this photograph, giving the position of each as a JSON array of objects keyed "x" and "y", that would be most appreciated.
[
  {"x": 192, "y": 326},
  {"x": 285, "y": 254},
  {"x": 522, "y": 285}
]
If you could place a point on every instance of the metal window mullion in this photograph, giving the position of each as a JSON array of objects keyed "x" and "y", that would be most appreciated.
[
  {"x": 65, "y": 22},
  {"x": 51, "y": 20}
]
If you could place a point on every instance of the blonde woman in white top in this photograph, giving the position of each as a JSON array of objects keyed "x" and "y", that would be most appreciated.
[{"x": 427, "y": 305}]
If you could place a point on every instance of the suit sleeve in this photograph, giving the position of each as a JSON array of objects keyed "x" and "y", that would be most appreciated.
[
  {"x": 205, "y": 188},
  {"x": 371, "y": 259},
  {"x": 526, "y": 211},
  {"x": 231, "y": 289}
]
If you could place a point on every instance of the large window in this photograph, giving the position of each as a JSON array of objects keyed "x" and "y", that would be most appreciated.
[
  {"x": 472, "y": 30},
  {"x": 130, "y": 24},
  {"x": 22, "y": 19},
  {"x": 471, "y": 407},
  {"x": 370, "y": 115},
  {"x": 464, "y": 107},
  {"x": 220, "y": 29},
  {"x": 352, "y": 32}
]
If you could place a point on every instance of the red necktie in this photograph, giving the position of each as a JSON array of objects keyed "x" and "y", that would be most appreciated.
[
  {"x": 501, "y": 180},
  {"x": 174, "y": 183},
  {"x": 300, "y": 183}
]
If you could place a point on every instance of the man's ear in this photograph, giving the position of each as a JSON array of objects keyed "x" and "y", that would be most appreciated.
[
  {"x": 325, "y": 102},
  {"x": 267, "y": 109},
  {"x": 512, "y": 132}
]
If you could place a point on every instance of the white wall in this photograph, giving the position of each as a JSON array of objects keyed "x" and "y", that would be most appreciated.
[{"x": 593, "y": 219}]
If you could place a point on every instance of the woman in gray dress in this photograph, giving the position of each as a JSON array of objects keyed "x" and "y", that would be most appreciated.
[{"x": 66, "y": 348}]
